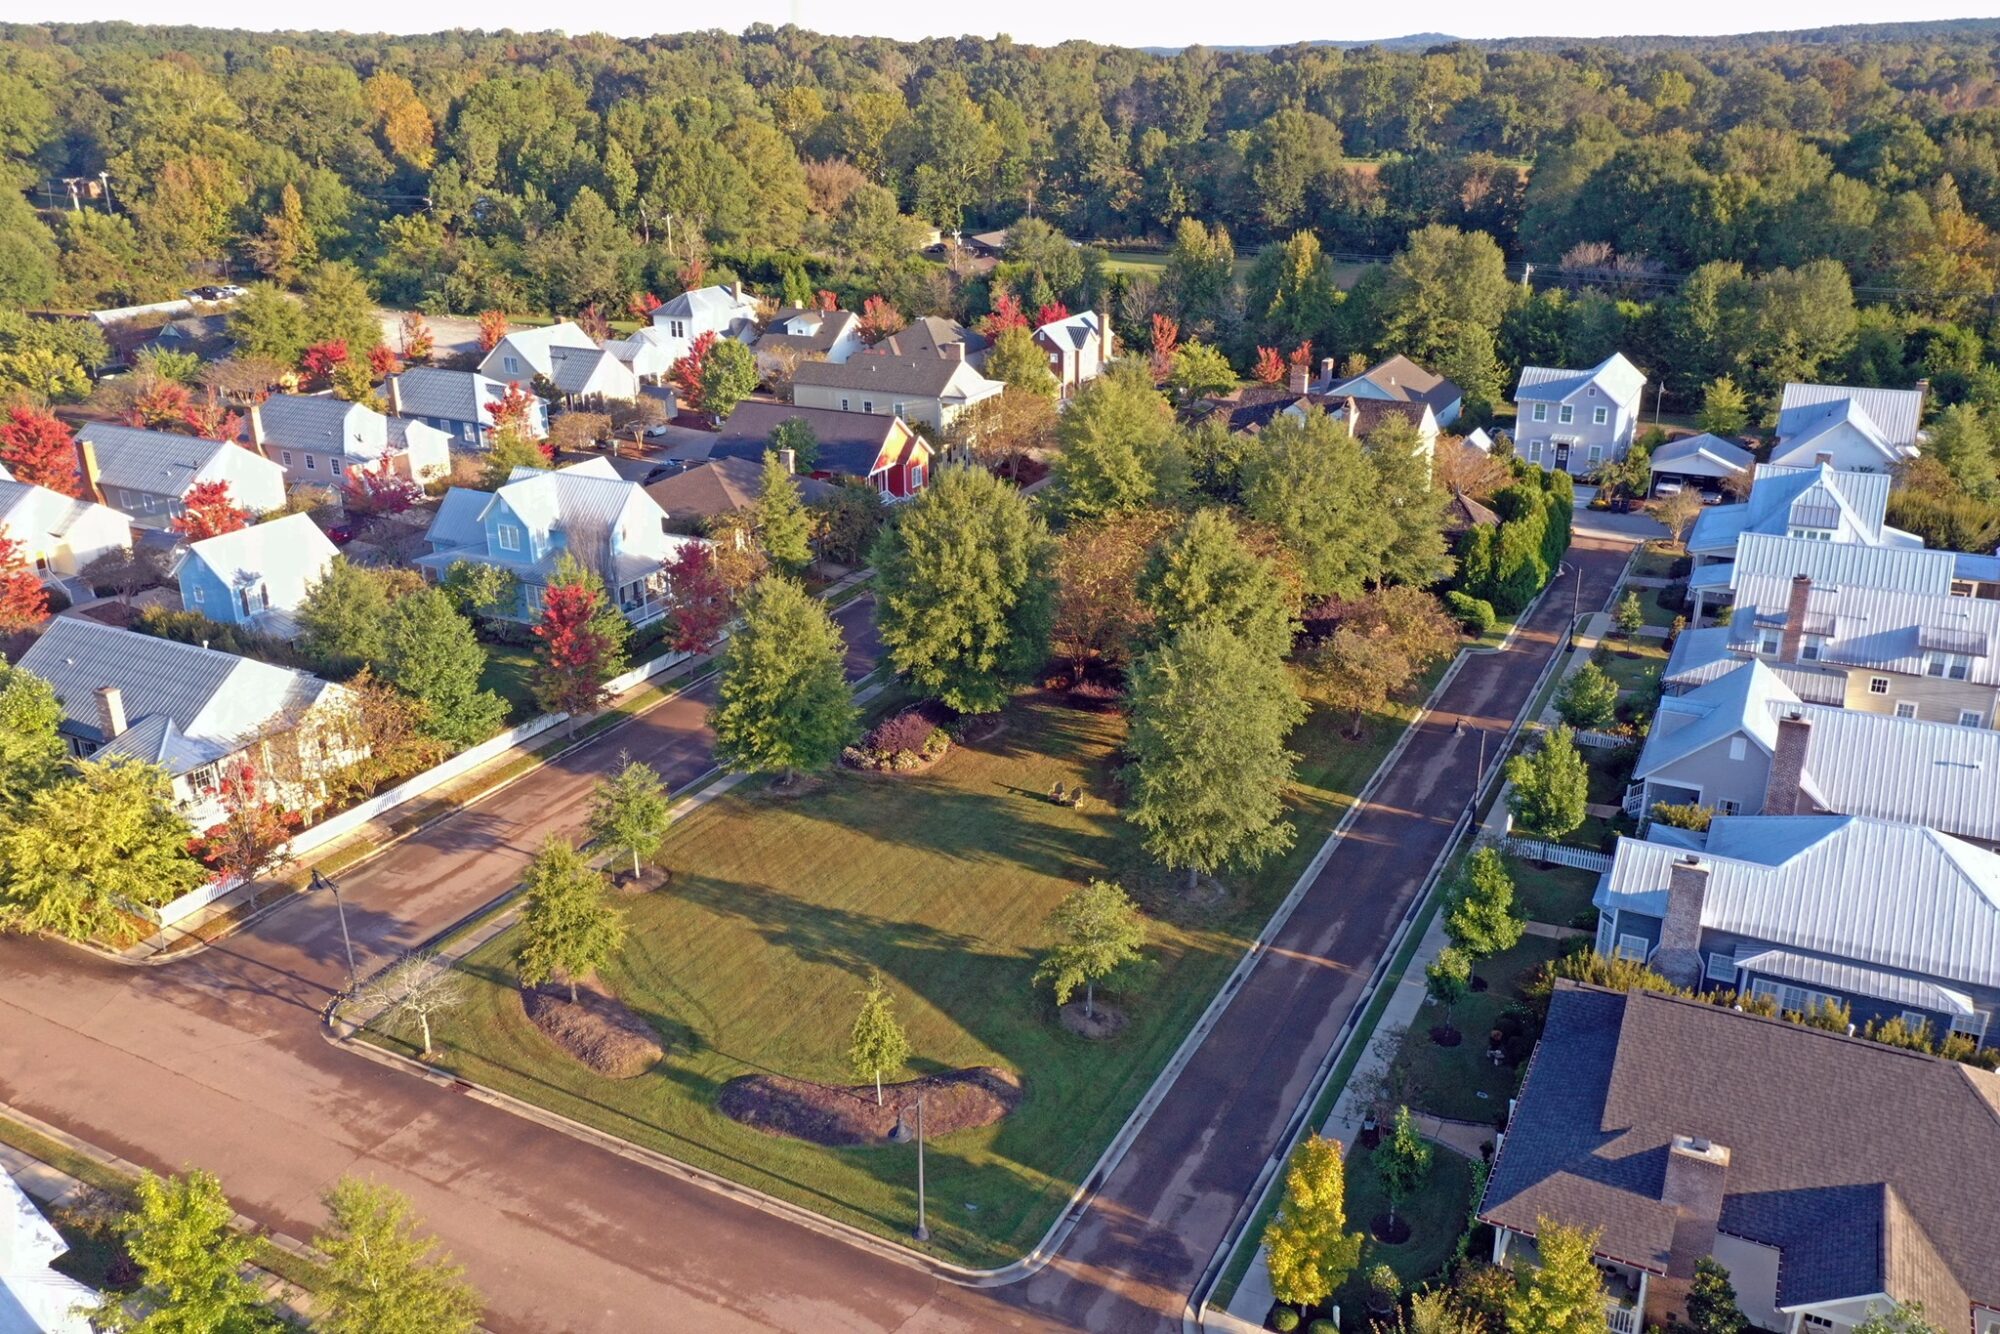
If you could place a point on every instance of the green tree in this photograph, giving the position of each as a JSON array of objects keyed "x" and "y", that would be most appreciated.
[
  {"x": 1711, "y": 1302},
  {"x": 1017, "y": 359},
  {"x": 31, "y": 749},
  {"x": 383, "y": 1277},
  {"x": 343, "y": 618},
  {"x": 1962, "y": 443},
  {"x": 477, "y": 588},
  {"x": 508, "y": 448},
  {"x": 963, "y": 594},
  {"x": 1310, "y": 481},
  {"x": 181, "y": 1233},
  {"x": 877, "y": 1043},
  {"x": 1203, "y": 574},
  {"x": 1121, "y": 450},
  {"x": 1097, "y": 930},
  {"x": 784, "y": 529},
  {"x": 430, "y": 653},
  {"x": 1725, "y": 410},
  {"x": 1899, "y": 1318},
  {"x": 1565, "y": 1294},
  {"x": 1310, "y": 1251},
  {"x": 1629, "y": 616},
  {"x": 267, "y": 322},
  {"x": 728, "y": 376},
  {"x": 87, "y": 845},
  {"x": 795, "y": 434},
  {"x": 286, "y": 248},
  {"x": 1402, "y": 1160},
  {"x": 1550, "y": 786},
  {"x": 1200, "y": 371},
  {"x": 1479, "y": 913},
  {"x": 1588, "y": 697},
  {"x": 568, "y": 926},
  {"x": 783, "y": 704},
  {"x": 338, "y": 305},
  {"x": 630, "y": 811},
  {"x": 1210, "y": 714},
  {"x": 1448, "y": 979},
  {"x": 1441, "y": 281}
]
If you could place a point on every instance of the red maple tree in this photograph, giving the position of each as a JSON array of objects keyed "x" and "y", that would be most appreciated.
[
  {"x": 826, "y": 300},
  {"x": 492, "y": 328},
  {"x": 1270, "y": 367},
  {"x": 514, "y": 411},
  {"x": 1053, "y": 313},
  {"x": 1302, "y": 356},
  {"x": 37, "y": 449},
  {"x": 160, "y": 404},
  {"x": 1007, "y": 314},
  {"x": 1166, "y": 342},
  {"x": 686, "y": 373},
  {"x": 213, "y": 420},
  {"x": 879, "y": 319},
  {"x": 321, "y": 360},
  {"x": 593, "y": 321},
  {"x": 382, "y": 361},
  {"x": 209, "y": 511},
  {"x": 692, "y": 273},
  {"x": 23, "y": 600},
  {"x": 701, "y": 599},
  {"x": 379, "y": 490},
  {"x": 253, "y": 833},
  {"x": 641, "y": 306},
  {"x": 576, "y": 654},
  {"x": 418, "y": 342}
]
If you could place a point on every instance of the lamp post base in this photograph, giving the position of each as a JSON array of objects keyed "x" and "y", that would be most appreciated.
[{"x": 922, "y": 1233}]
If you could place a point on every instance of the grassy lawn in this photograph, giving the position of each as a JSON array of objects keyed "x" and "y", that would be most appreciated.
[
  {"x": 1460, "y": 1082},
  {"x": 1656, "y": 560},
  {"x": 509, "y": 672},
  {"x": 1436, "y": 1214},
  {"x": 1658, "y": 612},
  {"x": 1634, "y": 665},
  {"x": 753, "y": 958},
  {"x": 1555, "y": 896}
]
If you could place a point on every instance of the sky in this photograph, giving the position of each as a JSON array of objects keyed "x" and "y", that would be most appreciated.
[{"x": 1041, "y": 22}]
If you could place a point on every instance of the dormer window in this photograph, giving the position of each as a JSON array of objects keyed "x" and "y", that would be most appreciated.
[
  {"x": 1810, "y": 647},
  {"x": 1948, "y": 666},
  {"x": 509, "y": 537}
]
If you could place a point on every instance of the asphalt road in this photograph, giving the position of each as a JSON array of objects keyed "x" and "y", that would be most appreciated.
[{"x": 218, "y": 1061}]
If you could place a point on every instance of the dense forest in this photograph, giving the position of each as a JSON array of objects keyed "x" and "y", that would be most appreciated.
[{"x": 1765, "y": 210}]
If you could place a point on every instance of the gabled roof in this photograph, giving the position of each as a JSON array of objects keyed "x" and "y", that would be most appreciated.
[
  {"x": 36, "y": 510},
  {"x": 1938, "y": 775},
  {"x": 32, "y": 1295},
  {"x": 462, "y": 396},
  {"x": 924, "y": 375},
  {"x": 1893, "y": 415},
  {"x": 1738, "y": 703},
  {"x": 156, "y": 462},
  {"x": 1873, "y": 892},
  {"x": 1365, "y": 414},
  {"x": 1817, "y": 1168},
  {"x": 1761, "y": 557},
  {"x": 1401, "y": 380},
  {"x": 578, "y": 370},
  {"x": 319, "y": 422},
  {"x": 214, "y": 702},
  {"x": 584, "y": 503},
  {"x": 1618, "y": 378},
  {"x": 1816, "y": 496},
  {"x": 1701, "y": 656},
  {"x": 286, "y": 551},
  {"x": 833, "y": 326},
  {"x": 928, "y": 333},
  {"x": 1702, "y": 456},
  {"x": 458, "y": 522},
  {"x": 705, "y": 305},
  {"x": 722, "y": 486},
  {"x": 535, "y": 345},
  {"x": 848, "y": 442},
  {"x": 1884, "y": 629},
  {"x": 1074, "y": 333}
]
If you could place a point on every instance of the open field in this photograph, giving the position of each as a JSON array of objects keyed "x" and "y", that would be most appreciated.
[{"x": 752, "y": 959}]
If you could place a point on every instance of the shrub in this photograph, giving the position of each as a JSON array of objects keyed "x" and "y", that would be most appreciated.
[
  {"x": 908, "y": 740},
  {"x": 1323, "y": 1326},
  {"x": 1475, "y": 614},
  {"x": 1284, "y": 1320},
  {"x": 1683, "y": 816}
]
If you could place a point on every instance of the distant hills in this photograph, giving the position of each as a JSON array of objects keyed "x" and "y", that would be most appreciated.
[{"x": 1841, "y": 35}]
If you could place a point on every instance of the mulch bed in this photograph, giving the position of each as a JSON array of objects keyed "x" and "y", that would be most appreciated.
[
  {"x": 1389, "y": 1231},
  {"x": 1108, "y": 1021},
  {"x": 648, "y": 880},
  {"x": 836, "y": 1117},
  {"x": 597, "y": 1029},
  {"x": 1446, "y": 1036}
]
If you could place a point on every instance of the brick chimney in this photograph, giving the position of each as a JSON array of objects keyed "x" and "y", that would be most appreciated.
[
  {"x": 952, "y": 351},
  {"x": 111, "y": 711},
  {"x": 1327, "y": 366},
  {"x": 1678, "y": 958},
  {"x": 86, "y": 454},
  {"x": 1795, "y": 618},
  {"x": 1822, "y": 460},
  {"x": 1784, "y": 788},
  {"x": 1298, "y": 380},
  {"x": 1697, "y": 1177}
]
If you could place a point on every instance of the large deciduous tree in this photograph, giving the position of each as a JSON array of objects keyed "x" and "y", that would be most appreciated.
[
  {"x": 1310, "y": 1250},
  {"x": 568, "y": 925},
  {"x": 383, "y": 1277},
  {"x": 37, "y": 448},
  {"x": 209, "y": 510},
  {"x": 1204, "y": 574},
  {"x": 181, "y": 1233},
  {"x": 1565, "y": 1293},
  {"x": 1550, "y": 786},
  {"x": 783, "y": 526},
  {"x": 430, "y": 654},
  {"x": 1479, "y": 912},
  {"x": 1121, "y": 449},
  {"x": 783, "y": 704},
  {"x": 24, "y": 602},
  {"x": 582, "y": 640},
  {"x": 699, "y": 600}
]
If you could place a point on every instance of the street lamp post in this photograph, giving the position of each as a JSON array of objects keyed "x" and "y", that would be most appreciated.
[
  {"x": 923, "y": 1232},
  {"x": 320, "y": 882}
]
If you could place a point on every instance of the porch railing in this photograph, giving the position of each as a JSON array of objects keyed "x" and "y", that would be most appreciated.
[{"x": 1622, "y": 1319}]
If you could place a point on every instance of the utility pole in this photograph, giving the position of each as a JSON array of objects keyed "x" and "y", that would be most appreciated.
[
  {"x": 321, "y": 882},
  {"x": 72, "y": 182},
  {"x": 104, "y": 178}
]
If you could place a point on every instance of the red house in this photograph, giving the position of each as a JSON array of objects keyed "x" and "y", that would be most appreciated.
[{"x": 883, "y": 450}]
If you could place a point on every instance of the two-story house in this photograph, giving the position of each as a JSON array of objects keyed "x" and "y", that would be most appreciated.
[
  {"x": 1395, "y": 380},
  {"x": 1855, "y": 429},
  {"x": 189, "y": 709},
  {"x": 725, "y": 311},
  {"x": 581, "y": 372},
  {"x": 925, "y": 390},
  {"x": 1830, "y": 1176},
  {"x": 885, "y": 452},
  {"x": 525, "y": 353},
  {"x": 1747, "y": 744},
  {"x": 458, "y": 403},
  {"x": 1078, "y": 348},
  {"x": 586, "y": 510},
  {"x": 794, "y": 336},
  {"x": 256, "y": 576},
  {"x": 929, "y": 335},
  {"x": 147, "y": 474},
  {"x": 59, "y": 534},
  {"x": 320, "y": 440},
  {"x": 1576, "y": 420}
]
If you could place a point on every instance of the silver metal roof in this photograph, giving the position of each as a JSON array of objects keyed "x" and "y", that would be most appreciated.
[
  {"x": 1775, "y": 558},
  {"x": 1855, "y": 980},
  {"x": 1939, "y": 775},
  {"x": 1895, "y": 412}
]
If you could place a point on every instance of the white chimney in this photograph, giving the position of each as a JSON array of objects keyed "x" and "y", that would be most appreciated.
[
  {"x": 111, "y": 711},
  {"x": 396, "y": 395},
  {"x": 257, "y": 427},
  {"x": 790, "y": 459}
]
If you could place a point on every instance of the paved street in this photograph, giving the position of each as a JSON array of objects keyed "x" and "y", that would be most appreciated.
[{"x": 217, "y": 1061}]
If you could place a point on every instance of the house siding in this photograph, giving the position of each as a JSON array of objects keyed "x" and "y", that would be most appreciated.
[
  {"x": 1936, "y": 700},
  {"x": 1536, "y": 441}
]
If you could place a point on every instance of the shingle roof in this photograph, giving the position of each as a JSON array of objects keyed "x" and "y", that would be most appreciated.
[
  {"x": 721, "y": 486},
  {"x": 428, "y": 391},
  {"x": 848, "y": 442},
  {"x": 573, "y": 370},
  {"x": 1873, "y": 892},
  {"x": 924, "y": 375},
  {"x": 1401, "y": 379},
  {"x": 928, "y": 333},
  {"x": 155, "y": 462},
  {"x": 215, "y": 701},
  {"x": 1894, "y": 414},
  {"x": 835, "y": 325},
  {"x": 317, "y": 422},
  {"x": 1075, "y": 332},
  {"x": 702, "y": 305},
  {"x": 1620, "y": 380},
  {"x": 1369, "y": 413},
  {"x": 1821, "y": 1164}
]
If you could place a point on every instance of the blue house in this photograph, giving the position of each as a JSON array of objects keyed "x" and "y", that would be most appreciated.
[
  {"x": 256, "y": 576},
  {"x": 457, "y": 403}
]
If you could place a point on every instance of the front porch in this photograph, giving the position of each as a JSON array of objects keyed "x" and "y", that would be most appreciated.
[{"x": 1624, "y": 1285}]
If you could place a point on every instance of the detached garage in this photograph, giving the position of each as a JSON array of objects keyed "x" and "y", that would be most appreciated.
[{"x": 1703, "y": 462}]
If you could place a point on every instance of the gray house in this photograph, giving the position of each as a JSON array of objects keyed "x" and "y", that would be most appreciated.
[
  {"x": 1576, "y": 420},
  {"x": 1893, "y": 920},
  {"x": 1856, "y": 429},
  {"x": 459, "y": 403},
  {"x": 1830, "y": 1176}
]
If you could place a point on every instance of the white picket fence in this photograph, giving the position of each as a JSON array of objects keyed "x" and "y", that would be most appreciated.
[
  {"x": 1601, "y": 740},
  {"x": 347, "y": 821},
  {"x": 1584, "y": 859}
]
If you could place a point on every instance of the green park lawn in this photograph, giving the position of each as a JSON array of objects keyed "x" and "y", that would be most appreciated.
[
  {"x": 1462, "y": 1083},
  {"x": 753, "y": 958}
]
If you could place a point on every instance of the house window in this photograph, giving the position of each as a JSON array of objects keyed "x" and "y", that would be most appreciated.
[
  {"x": 1955, "y": 666},
  {"x": 1970, "y": 718},
  {"x": 896, "y": 410},
  {"x": 1534, "y": 451},
  {"x": 1600, "y": 415},
  {"x": 510, "y": 537},
  {"x": 468, "y": 431},
  {"x": 1810, "y": 647},
  {"x": 1972, "y": 1025},
  {"x": 868, "y": 405},
  {"x": 1737, "y": 748},
  {"x": 843, "y": 405},
  {"x": 1769, "y": 642},
  {"x": 1906, "y": 708},
  {"x": 1796, "y": 999},
  {"x": 1566, "y": 414},
  {"x": 1811, "y": 534},
  {"x": 1721, "y": 967},
  {"x": 676, "y": 329},
  {"x": 916, "y": 477},
  {"x": 513, "y": 365},
  {"x": 1541, "y": 412},
  {"x": 1596, "y": 454},
  {"x": 312, "y": 463},
  {"x": 1724, "y": 806},
  {"x": 1632, "y": 947},
  {"x": 1878, "y": 685},
  {"x": 199, "y": 594},
  {"x": 288, "y": 457}
]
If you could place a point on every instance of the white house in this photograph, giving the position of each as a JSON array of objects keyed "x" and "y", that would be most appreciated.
[
  {"x": 59, "y": 534},
  {"x": 147, "y": 474},
  {"x": 35, "y": 1299},
  {"x": 319, "y": 440},
  {"x": 1576, "y": 420},
  {"x": 1853, "y": 429},
  {"x": 726, "y": 312},
  {"x": 1079, "y": 348}
]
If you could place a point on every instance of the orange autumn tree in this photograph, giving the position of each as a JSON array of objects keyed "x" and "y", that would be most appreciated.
[
  {"x": 252, "y": 836},
  {"x": 1270, "y": 367},
  {"x": 213, "y": 420},
  {"x": 686, "y": 373},
  {"x": 641, "y": 305},
  {"x": 321, "y": 360},
  {"x": 492, "y": 328},
  {"x": 23, "y": 600},
  {"x": 1053, "y": 313},
  {"x": 1166, "y": 342},
  {"x": 701, "y": 599},
  {"x": 880, "y": 320},
  {"x": 160, "y": 405},
  {"x": 416, "y": 337},
  {"x": 1006, "y": 314},
  {"x": 209, "y": 511},
  {"x": 37, "y": 448},
  {"x": 1302, "y": 357}
]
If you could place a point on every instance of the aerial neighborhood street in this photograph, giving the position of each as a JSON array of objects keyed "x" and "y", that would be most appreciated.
[{"x": 920, "y": 682}]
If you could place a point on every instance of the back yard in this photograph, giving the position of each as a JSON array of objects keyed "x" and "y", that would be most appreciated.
[{"x": 753, "y": 957}]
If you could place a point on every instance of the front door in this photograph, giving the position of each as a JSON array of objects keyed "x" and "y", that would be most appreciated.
[{"x": 1562, "y": 455}]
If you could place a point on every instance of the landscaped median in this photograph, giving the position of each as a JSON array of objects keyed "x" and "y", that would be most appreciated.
[{"x": 751, "y": 959}]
